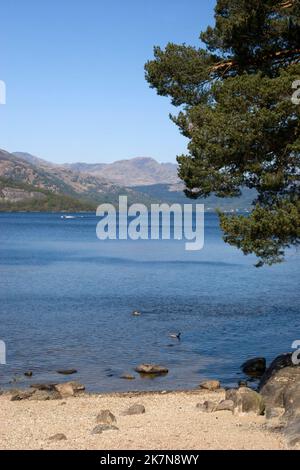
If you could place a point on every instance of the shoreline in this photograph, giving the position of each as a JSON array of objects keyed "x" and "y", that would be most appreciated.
[{"x": 171, "y": 421}]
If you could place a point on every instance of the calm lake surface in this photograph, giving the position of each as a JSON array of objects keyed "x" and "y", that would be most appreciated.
[{"x": 66, "y": 302}]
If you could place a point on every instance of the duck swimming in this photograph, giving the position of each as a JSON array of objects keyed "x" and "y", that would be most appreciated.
[
  {"x": 175, "y": 336},
  {"x": 136, "y": 313}
]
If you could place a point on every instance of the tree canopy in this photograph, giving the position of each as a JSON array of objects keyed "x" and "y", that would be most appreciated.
[{"x": 236, "y": 108}]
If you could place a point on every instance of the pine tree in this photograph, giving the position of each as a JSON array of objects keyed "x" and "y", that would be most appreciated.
[{"x": 236, "y": 109}]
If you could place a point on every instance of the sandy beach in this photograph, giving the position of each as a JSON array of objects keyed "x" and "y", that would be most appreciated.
[{"x": 171, "y": 421}]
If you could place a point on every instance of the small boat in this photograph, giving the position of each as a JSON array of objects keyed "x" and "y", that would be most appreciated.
[{"x": 68, "y": 217}]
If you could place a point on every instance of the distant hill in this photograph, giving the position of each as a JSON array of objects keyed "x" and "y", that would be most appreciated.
[
  {"x": 141, "y": 171},
  {"x": 24, "y": 197},
  {"x": 24, "y": 169},
  {"x": 31, "y": 183}
]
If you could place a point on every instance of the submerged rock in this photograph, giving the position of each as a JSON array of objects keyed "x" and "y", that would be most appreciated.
[
  {"x": 151, "y": 369},
  {"x": 29, "y": 373},
  {"x": 255, "y": 367},
  {"x": 127, "y": 377},
  {"x": 67, "y": 371}
]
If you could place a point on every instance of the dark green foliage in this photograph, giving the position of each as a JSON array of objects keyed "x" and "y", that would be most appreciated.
[{"x": 237, "y": 112}]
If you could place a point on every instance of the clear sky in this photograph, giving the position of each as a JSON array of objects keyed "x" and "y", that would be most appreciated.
[{"x": 74, "y": 72}]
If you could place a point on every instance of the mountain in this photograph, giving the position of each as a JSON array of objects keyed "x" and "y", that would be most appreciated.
[
  {"x": 31, "y": 183},
  {"x": 141, "y": 171},
  {"x": 17, "y": 170}
]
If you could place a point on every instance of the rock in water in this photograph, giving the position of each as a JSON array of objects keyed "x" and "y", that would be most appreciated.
[
  {"x": 255, "y": 367},
  {"x": 67, "y": 371},
  {"x": 127, "y": 377},
  {"x": 210, "y": 385},
  {"x": 151, "y": 369},
  {"x": 105, "y": 417},
  {"x": 136, "y": 409},
  {"x": 29, "y": 373},
  {"x": 100, "y": 428},
  {"x": 246, "y": 401}
]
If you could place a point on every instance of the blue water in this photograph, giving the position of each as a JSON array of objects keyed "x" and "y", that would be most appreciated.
[{"x": 66, "y": 300}]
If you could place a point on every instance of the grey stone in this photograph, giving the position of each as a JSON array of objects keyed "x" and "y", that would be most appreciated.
[
  {"x": 105, "y": 417},
  {"x": 292, "y": 432},
  {"x": 19, "y": 395},
  {"x": 69, "y": 389},
  {"x": 100, "y": 428},
  {"x": 247, "y": 401},
  {"x": 57, "y": 437},
  {"x": 207, "y": 406},
  {"x": 136, "y": 409},
  {"x": 211, "y": 385},
  {"x": 43, "y": 395},
  {"x": 225, "y": 405},
  {"x": 151, "y": 369}
]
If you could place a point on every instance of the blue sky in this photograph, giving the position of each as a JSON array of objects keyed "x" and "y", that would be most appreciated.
[{"x": 74, "y": 72}]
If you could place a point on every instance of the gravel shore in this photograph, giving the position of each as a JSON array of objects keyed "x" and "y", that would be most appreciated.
[{"x": 171, "y": 421}]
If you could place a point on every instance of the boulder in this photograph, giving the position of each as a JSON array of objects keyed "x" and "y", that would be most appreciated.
[
  {"x": 105, "y": 417},
  {"x": 100, "y": 428},
  {"x": 69, "y": 389},
  {"x": 19, "y": 395},
  {"x": 225, "y": 405},
  {"x": 255, "y": 367},
  {"x": 279, "y": 382},
  {"x": 43, "y": 395},
  {"x": 281, "y": 362},
  {"x": 136, "y": 409},
  {"x": 45, "y": 386},
  {"x": 207, "y": 406},
  {"x": 246, "y": 400},
  {"x": 292, "y": 432},
  {"x": 151, "y": 369},
  {"x": 210, "y": 385},
  {"x": 291, "y": 400}
]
